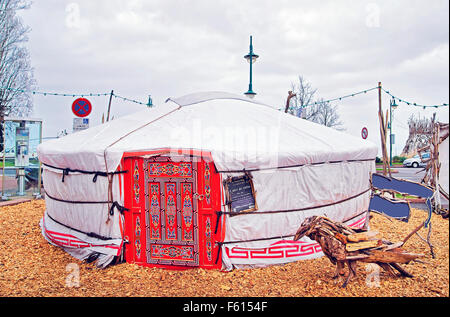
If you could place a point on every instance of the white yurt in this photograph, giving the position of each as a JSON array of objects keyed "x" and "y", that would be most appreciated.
[{"x": 212, "y": 180}]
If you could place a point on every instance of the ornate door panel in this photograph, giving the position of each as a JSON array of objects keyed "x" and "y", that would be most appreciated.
[
  {"x": 171, "y": 212},
  {"x": 172, "y": 219}
]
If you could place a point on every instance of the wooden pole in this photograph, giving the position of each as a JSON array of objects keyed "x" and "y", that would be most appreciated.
[
  {"x": 109, "y": 105},
  {"x": 380, "y": 119},
  {"x": 290, "y": 95},
  {"x": 382, "y": 131}
]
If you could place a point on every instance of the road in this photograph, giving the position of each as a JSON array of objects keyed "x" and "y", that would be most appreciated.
[
  {"x": 409, "y": 173},
  {"x": 415, "y": 175}
]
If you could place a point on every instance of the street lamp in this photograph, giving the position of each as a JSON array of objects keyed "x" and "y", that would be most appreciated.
[
  {"x": 251, "y": 58},
  {"x": 392, "y": 106},
  {"x": 150, "y": 101}
]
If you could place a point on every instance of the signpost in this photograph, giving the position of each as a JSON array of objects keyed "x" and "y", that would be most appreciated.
[
  {"x": 364, "y": 133},
  {"x": 81, "y": 107}
]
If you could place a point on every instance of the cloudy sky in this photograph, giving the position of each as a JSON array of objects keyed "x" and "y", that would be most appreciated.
[{"x": 171, "y": 48}]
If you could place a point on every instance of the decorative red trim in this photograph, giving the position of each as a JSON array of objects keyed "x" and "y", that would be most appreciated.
[
  {"x": 282, "y": 249},
  {"x": 70, "y": 241}
]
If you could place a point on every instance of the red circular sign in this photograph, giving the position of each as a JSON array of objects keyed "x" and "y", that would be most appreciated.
[
  {"x": 364, "y": 133},
  {"x": 81, "y": 107}
]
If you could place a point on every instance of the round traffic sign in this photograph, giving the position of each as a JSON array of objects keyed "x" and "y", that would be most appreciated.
[
  {"x": 81, "y": 107},
  {"x": 364, "y": 133}
]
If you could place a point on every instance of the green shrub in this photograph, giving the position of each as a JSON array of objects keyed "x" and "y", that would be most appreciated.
[{"x": 398, "y": 159}]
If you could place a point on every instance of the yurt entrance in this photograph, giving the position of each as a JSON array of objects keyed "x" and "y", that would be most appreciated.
[{"x": 172, "y": 219}]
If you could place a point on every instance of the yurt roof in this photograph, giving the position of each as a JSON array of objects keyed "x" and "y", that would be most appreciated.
[{"x": 240, "y": 133}]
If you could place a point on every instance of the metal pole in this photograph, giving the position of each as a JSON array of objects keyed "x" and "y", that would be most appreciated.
[
  {"x": 390, "y": 134},
  {"x": 40, "y": 164},
  {"x": 4, "y": 157},
  {"x": 250, "y": 88}
]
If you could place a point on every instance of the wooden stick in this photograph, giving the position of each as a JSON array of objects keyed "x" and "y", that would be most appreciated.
[
  {"x": 381, "y": 121},
  {"x": 290, "y": 95},
  {"x": 362, "y": 236},
  {"x": 413, "y": 232},
  {"x": 109, "y": 105},
  {"x": 401, "y": 270},
  {"x": 354, "y": 246},
  {"x": 390, "y": 257}
]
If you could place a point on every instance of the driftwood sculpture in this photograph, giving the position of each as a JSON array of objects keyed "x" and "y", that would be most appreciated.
[{"x": 344, "y": 245}]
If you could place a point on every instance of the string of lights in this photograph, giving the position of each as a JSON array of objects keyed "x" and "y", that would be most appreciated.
[
  {"x": 45, "y": 93},
  {"x": 413, "y": 103},
  {"x": 131, "y": 100},
  {"x": 149, "y": 103},
  {"x": 368, "y": 90},
  {"x": 342, "y": 97}
]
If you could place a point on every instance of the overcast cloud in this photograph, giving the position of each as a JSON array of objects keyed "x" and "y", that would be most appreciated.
[{"x": 172, "y": 48}]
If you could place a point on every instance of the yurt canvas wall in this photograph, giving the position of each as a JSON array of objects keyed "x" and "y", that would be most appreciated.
[{"x": 298, "y": 168}]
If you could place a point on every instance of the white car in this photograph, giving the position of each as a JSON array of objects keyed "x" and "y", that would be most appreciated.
[{"x": 416, "y": 161}]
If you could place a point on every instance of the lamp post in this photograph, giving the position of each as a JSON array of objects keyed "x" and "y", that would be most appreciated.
[
  {"x": 392, "y": 106},
  {"x": 251, "y": 58},
  {"x": 150, "y": 101}
]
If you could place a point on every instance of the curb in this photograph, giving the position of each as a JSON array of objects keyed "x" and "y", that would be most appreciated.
[{"x": 14, "y": 202}]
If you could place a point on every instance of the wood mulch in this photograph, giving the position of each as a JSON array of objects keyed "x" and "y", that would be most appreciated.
[{"x": 31, "y": 267}]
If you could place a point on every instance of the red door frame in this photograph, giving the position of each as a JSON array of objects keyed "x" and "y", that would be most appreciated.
[{"x": 209, "y": 191}]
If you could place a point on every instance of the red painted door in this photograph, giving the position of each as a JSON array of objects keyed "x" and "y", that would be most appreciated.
[
  {"x": 171, "y": 210},
  {"x": 172, "y": 219}
]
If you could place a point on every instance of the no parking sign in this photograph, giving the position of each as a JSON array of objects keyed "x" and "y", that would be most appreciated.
[
  {"x": 81, "y": 107},
  {"x": 364, "y": 133}
]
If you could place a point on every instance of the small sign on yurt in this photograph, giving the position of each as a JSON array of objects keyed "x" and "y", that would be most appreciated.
[{"x": 240, "y": 194}]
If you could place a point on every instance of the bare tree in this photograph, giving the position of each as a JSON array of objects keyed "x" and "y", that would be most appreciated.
[
  {"x": 323, "y": 112},
  {"x": 304, "y": 94},
  {"x": 303, "y": 105},
  {"x": 16, "y": 75}
]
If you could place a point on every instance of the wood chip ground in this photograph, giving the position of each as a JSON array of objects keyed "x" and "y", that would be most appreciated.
[{"x": 31, "y": 267}]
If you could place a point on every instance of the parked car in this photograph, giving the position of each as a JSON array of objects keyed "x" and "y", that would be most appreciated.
[{"x": 416, "y": 161}]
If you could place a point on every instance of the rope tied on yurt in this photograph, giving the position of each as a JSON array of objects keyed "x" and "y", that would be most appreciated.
[
  {"x": 120, "y": 208},
  {"x": 66, "y": 171},
  {"x": 290, "y": 166},
  {"x": 220, "y": 243},
  {"x": 89, "y": 234},
  {"x": 114, "y": 204},
  {"x": 233, "y": 213}
]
